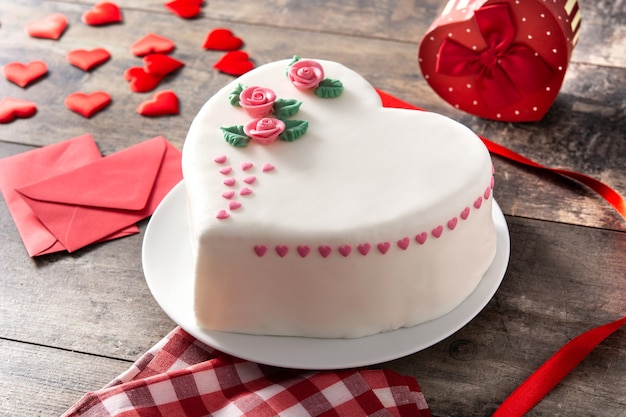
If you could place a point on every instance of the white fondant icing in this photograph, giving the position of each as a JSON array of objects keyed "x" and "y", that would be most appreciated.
[{"x": 362, "y": 177}]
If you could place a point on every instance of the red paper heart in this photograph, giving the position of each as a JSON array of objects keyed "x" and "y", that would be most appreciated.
[
  {"x": 498, "y": 60},
  {"x": 12, "y": 108},
  {"x": 103, "y": 13},
  {"x": 50, "y": 27},
  {"x": 152, "y": 44},
  {"x": 221, "y": 39},
  {"x": 24, "y": 74},
  {"x": 162, "y": 103},
  {"x": 160, "y": 64},
  {"x": 184, "y": 8},
  {"x": 87, "y": 104},
  {"x": 234, "y": 63},
  {"x": 87, "y": 60},
  {"x": 140, "y": 81}
]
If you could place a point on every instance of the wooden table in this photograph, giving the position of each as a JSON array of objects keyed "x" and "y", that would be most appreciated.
[{"x": 72, "y": 322}]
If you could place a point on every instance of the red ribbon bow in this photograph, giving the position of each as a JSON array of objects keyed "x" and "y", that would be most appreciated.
[{"x": 505, "y": 69}]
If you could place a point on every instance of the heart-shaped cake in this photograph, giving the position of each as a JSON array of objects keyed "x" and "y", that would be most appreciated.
[{"x": 316, "y": 212}]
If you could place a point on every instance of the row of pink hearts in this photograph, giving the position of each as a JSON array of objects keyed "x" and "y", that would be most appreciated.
[{"x": 383, "y": 247}]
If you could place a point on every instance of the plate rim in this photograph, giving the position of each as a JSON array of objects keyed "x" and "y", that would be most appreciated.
[{"x": 312, "y": 353}]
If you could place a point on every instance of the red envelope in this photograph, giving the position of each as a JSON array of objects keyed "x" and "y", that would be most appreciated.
[
  {"x": 28, "y": 167},
  {"x": 96, "y": 200}
]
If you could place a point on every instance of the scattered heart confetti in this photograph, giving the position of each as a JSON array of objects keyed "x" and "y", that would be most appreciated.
[
  {"x": 160, "y": 64},
  {"x": 222, "y": 39},
  {"x": 162, "y": 103},
  {"x": 25, "y": 74},
  {"x": 104, "y": 13},
  {"x": 88, "y": 59},
  {"x": 87, "y": 104},
  {"x": 13, "y": 108},
  {"x": 140, "y": 81},
  {"x": 186, "y": 9},
  {"x": 50, "y": 27},
  {"x": 152, "y": 44},
  {"x": 234, "y": 63}
]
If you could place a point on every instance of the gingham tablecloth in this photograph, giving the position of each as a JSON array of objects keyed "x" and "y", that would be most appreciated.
[{"x": 182, "y": 377}]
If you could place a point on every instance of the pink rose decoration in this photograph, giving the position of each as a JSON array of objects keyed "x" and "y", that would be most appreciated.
[
  {"x": 306, "y": 74},
  {"x": 257, "y": 101},
  {"x": 265, "y": 130}
]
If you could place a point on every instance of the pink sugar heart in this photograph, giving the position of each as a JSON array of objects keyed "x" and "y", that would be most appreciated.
[
  {"x": 452, "y": 223},
  {"x": 324, "y": 250},
  {"x": 225, "y": 170},
  {"x": 230, "y": 182},
  {"x": 345, "y": 250},
  {"x": 228, "y": 194},
  {"x": 50, "y": 27},
  {"x": 222, "y": 214},
  {"x": 249, "y": 179},
  {"x": 267, "y": 167},
  {"x": 245, "y": 191},
  {"x": 465, "y": 213},
  {"x": 282, "y": 250},
  {"x": 246, "y": 165},
  {"x": 303, "y": 250},
  {"x": 88, "y": 59},
  {"x": 364, "y": 248},
  {"x": 421, "y": 238},
  {"x": 403, "y": 243},
  {"x": 260, "y": 250},
  {"x": 220, "y": 159},
  {"x": 234, "y": 205},
  {"x": 478, "y": 202},
  {"x": 437, "y": 231},
  {"x": 487, "y": 193},
  {"x": 383, "y": 247}
]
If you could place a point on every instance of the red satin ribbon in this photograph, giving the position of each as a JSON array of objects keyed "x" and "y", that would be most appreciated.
[
  {"x": 607, "y": 193},
  {"x": 505, "y": 69},
  {"x": 557, "y": 367}
]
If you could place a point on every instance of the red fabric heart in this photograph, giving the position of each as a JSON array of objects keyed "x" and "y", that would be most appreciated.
[
  {"x": 140, "y": 81},
  {"x": 103, "y": 13},
  {"x": 162, "y": 103},
  {"x": 152, "y": 44},
  {"x": 12, "y": 108},
  {"x": 87, "y": 104},
  {"x": 234, "y": 63},
  {"x": 221, "y": 39},
  {"x": 24, "y": 74},
  {"x": 87, "y": 60},
  {"x": 50, "y": 27},
  {"x": 184, "y": 8},
  {"x": 160, "y": 64}
]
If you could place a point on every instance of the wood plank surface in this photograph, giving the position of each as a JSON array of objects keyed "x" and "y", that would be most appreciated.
[{"x": 72, "y": 322}]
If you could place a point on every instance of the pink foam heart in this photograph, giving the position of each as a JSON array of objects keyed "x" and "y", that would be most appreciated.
[
  {"x": 87, "y": 104},
  {"x": 88, "y": 59},
  {"x": 303, "y": 250},
  {"x": 25, "y": 74},
  {"x": 50, "y": 27},
  {"x": 162, "y": 103},
  {"x": 104, "y": 13},
  {"x": 221, "y": 39},
  {"x": 13, "y": 108}
]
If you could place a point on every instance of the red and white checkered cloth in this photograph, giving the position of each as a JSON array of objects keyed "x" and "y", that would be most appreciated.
[{"x": 182, "y": 377}]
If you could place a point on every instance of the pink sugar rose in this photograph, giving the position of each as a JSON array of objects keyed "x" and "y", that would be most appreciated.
[
  {"x": 257, "y": 101},
  {"x": 306, "y": 74},
  {"x": 264, "y": 130}
]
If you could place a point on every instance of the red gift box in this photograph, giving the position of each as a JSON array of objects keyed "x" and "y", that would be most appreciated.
[{"x": 500, "y": 60}]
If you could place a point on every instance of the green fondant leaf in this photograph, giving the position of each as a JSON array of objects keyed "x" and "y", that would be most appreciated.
[
  {"x": 286, "y": 108},
  {"x": 329, "y": 88},
  {"x": 294, "y": 129},
  {"x": 235, "y": 136},
  {"x": 233, "y": 97}
]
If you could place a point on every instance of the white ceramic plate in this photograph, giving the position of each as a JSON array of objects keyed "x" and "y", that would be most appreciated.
[{"x": 167, "y": 264}]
